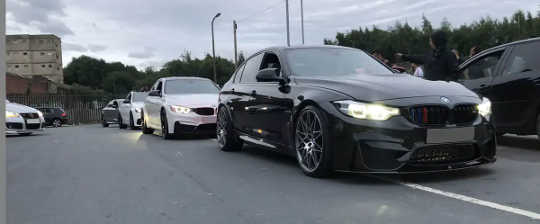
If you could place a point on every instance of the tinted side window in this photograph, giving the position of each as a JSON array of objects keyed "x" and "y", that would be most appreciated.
[
  {"x": 270, "y": 60},
  {"x": 481, "y": 68},
  {"x": 524, "y": 58},
  {"x": 158, "y": 86},
  {"x": 251, "y": 69}
]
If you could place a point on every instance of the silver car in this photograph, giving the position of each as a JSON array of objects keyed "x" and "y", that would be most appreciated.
[{"x": 23, "y": 120}]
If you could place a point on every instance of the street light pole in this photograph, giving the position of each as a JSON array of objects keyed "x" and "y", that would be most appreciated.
[
  {"x": 287, "y": 15},
  {"x": 235, "y": 27},
  {"x": 302, "y": 18},
  {"x": 214, "y": 47}
]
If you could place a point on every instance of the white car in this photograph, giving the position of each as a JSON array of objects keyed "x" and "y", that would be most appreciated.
[
  {"x": 23, "y": 120},
  {"x": 177, "y": 105},
  {"x": 130, "y": 110}
]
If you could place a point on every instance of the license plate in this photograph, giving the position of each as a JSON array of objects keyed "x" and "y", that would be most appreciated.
[
  {"x": 208, "y": 119},
  {"x": 450, "y": 135},
  {"x": 33, "y": 121}
]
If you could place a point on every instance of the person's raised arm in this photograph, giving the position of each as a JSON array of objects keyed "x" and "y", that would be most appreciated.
[{"x": 417, "y": 59}]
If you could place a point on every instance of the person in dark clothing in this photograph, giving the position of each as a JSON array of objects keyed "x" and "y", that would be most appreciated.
[{"x": 440, "y": 64}]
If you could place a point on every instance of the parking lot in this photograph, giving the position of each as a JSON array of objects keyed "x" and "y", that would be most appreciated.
[{"x": 90, "y": 174}]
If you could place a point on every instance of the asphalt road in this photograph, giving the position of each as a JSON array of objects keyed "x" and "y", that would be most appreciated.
[{"x": 89, "y": 174}]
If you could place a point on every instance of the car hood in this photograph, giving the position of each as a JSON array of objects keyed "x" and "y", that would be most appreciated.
[
  {"x": 193, "y": 100},
  {"x": 387, "y": 87},
  {"x": 19, "y": 108}
]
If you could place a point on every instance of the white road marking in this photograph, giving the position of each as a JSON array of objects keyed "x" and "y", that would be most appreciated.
[{"x": 517, "y": 211}]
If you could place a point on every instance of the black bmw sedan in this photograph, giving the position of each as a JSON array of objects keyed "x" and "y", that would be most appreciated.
[{"x": 339, "y": 109}]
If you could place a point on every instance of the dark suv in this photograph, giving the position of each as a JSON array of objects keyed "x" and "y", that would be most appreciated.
[
  {"x": 508, "y": 75},
  {"x": 54, "y": 116}
]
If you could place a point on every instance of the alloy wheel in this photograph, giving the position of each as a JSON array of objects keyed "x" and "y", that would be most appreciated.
[
  {"x": 309, "y": 140},
  {"x": 221, "y": 130},
  {"x": 57, "y": 123}
]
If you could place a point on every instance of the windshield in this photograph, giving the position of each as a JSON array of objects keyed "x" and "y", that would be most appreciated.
[
  {"x": 190, "y": 86},
  {"x": 333, "y": 62},
  {"x": 139, "y": 96}
]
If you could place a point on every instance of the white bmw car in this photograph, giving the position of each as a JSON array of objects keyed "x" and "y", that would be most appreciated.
[
  {"x": 23, "y": 120},
  {"x": 177, "y": 105},
  {"x": 130, "y": 110}
]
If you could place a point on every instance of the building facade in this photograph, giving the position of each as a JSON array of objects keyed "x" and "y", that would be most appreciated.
[{"x": 32, "y": 55}]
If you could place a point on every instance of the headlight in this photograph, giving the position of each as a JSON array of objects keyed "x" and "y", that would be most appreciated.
[
  {"x": 366, "y": 111},
  {"x": 180, "y": 109},
  {"x": 484, "y": 108},
  {"x": 137, "y": 110},
  {"x": 10, "y": 114}
]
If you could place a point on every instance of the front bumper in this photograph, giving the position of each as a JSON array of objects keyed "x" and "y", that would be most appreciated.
[
  {"x": 191, "y": 123},
  {"x": 399, "y": 146},
  {"x": 20, "y": 126}
]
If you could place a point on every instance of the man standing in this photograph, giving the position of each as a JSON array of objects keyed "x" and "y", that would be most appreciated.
[{"x": 440, "y": 64}]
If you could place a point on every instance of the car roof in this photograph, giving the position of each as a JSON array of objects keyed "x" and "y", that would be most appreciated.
[
  {"x": 50, "y": 107},
  {"x": 282, "y": 48},
  {"x": 183, "y": 77}
]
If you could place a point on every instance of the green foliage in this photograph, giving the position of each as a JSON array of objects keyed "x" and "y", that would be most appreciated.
[
  {"x": 94, "y": 73},
  {"x": 483, "y": 34},
  {"x": 117, "y": 78}
]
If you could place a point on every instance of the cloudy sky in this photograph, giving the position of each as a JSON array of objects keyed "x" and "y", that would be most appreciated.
[{"x": 150, "y": 32}]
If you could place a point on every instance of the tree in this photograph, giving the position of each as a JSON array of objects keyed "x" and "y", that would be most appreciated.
[
  {"x": 119, "y": 82},
  {"x": 483, "y": 33},
  {"x": 93, "y": 73}
]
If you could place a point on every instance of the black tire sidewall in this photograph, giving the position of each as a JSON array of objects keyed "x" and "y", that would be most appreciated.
[
  {"x": 325, "y": 167},
  {"x": 538, "y": 126},
  {"x": 232, "y": 142},
  {"x": 120, "y": 122},
  {"x": 131, "y": 123},
  {"x": 144, "y": 127},
  {"x": 165, "y": 126}
]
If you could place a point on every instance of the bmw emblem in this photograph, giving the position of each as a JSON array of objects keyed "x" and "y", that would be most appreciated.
[{"x": 445, "y": 100}]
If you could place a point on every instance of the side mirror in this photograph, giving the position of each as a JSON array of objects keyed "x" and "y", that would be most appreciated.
[
  {"x": 269, "y": 75},
  {"x": 154, "y": 93}
]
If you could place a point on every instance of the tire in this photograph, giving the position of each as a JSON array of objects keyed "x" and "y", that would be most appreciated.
[
  {"x": 312, "y": 142},
  {"x": 145, "y": 129},
  {"x": 165, "y": 127},
  {"x": 104, "y": 124},
  {"x": 226, "y": 137},
  {"x": 131, "y": 123},
  {"x": 56, "y": 123},
  {"x": 121, "y": 124},
  {"x": 538, "y": 127}
]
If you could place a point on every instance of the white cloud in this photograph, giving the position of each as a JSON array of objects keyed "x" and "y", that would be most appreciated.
[{"x": 119, "y": 30}]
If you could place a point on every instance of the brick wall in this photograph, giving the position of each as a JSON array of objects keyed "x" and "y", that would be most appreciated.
[{"x": 16, "y": 84}]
